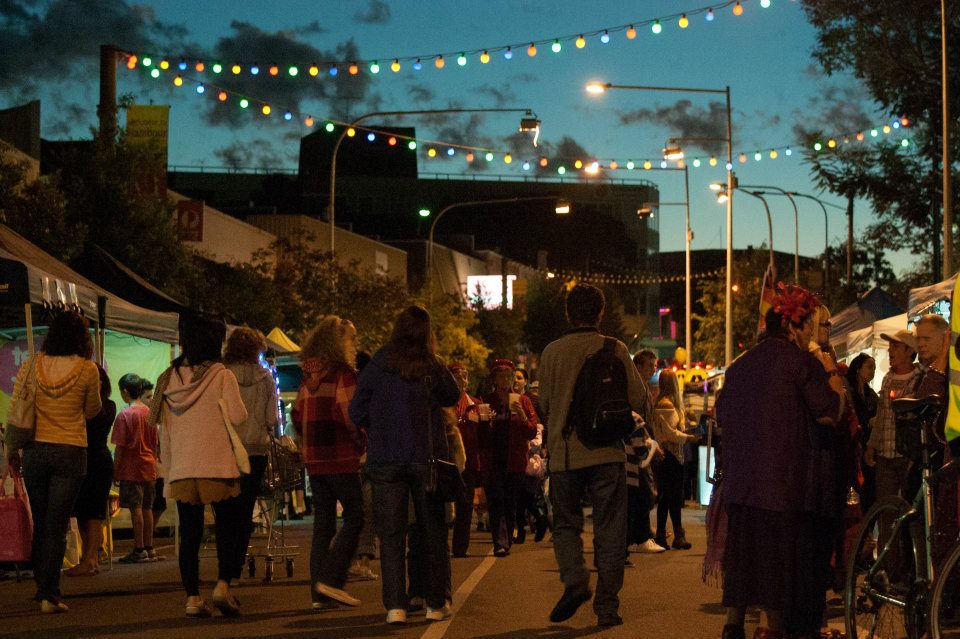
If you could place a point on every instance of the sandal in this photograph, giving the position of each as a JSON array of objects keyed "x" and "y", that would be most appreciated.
[{"x": 82, "y": 571}]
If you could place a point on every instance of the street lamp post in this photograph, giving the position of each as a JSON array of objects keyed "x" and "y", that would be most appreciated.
[
  {"x": 826, "y": 235},
  {"x": 600, "y": 87},
  {"x": 796, "y": 223},
  {"x": 562, "y": 208},
  {"x": 331, "y": 212}
]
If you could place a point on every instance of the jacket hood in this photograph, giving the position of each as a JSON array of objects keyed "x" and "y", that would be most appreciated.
[
  {"x": 181, "y": 396},
  {"x": 57, "y": 375},
  {"x": 249, "y": 374}
]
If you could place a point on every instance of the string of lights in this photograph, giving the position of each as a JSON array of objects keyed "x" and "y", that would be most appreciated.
[
  {"x": 626, "y": 279},
  {"x": 445, "y": 150},
  {"x": 462, "y": 57}
]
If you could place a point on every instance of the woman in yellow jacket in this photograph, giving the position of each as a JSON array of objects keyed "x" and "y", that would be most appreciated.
[{"x": 55, "y": 462}]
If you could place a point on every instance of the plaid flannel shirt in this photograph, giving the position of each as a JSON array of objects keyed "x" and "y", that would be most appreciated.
[
  {"x": 883, "y": 437},
  {"x": 330, "y": 442}
]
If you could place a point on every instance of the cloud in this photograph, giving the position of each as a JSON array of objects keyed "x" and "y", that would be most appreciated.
[
  {"x": 343, "y": 94},
  {"x": 420, "y": 92},
  {"x": 837, "y": 109},
  {"x": 503, "y": 95},
  {"x": 684, "y": 120},
  {"x": 312, "y": 28},
  {"x": 43, "y": 42},
  {"x": 235, "y": 156},
  {"x": 377, "y": 12}
]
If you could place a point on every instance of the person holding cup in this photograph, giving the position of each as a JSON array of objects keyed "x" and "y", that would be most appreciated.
[{"x": 503, "y": 451}]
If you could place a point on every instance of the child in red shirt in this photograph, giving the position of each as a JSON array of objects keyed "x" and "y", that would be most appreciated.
[{"x": 135, "y": 466}]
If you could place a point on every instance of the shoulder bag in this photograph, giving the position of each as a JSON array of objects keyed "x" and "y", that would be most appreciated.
[
  {"x": 239, "y": 451},
  {"x": 22, "y": 413},
  {"x": 443, "y": 477}
]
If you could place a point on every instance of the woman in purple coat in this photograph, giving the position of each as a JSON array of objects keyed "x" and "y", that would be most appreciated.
[{"x": 777, "y": 410}]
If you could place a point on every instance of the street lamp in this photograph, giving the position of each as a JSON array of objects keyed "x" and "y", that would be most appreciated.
[
  {"x": 601, "y": 87},
  {"x": 796, "y": 223},
  {"x": 561, "y": 207},
  {"x": 528, "y": 123}
]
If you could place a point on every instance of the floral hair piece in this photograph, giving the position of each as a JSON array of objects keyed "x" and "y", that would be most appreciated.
[{"x": 794, "y": 303}]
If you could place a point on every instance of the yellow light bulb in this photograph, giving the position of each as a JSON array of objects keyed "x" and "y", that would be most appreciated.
[
  {"x": 266, "y": 109},
  {"x": 684, "y": 23},
  {"x": 578, "y": 164},
  {"x": 235, "y": 69},
  {"x": 439, "y": 62},
  {"x": 484, "y": 57},
  {"x": 581, "y": 43},
  {"x": 631, "y": 32},
  {"x": 395, "y": 66},
  {"x": 737, "y": 9},
  {"x": 314, "y": 70},
  {"x": 773, "y": 154},
  {"x": 647, "y": 164},
  {"x": 507, "y": 159},
  {"x": 432, "y": 152},
  {"x": 351, "y": 132},
  {"x": 713, "y": 161},
  {"x": 178, "y": 81}
]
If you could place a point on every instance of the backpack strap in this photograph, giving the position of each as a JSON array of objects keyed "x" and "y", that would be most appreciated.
[{"x": 610, "y": 345}]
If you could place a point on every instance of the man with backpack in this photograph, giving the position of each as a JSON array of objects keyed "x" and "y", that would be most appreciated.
[{"x": 588, "y": 390}]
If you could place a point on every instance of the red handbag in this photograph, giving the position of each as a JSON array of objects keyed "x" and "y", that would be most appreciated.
[{"x": 16, "y": 521}]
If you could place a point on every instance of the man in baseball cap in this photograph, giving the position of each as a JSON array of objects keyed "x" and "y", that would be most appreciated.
[{"x": 903, "y": 336}]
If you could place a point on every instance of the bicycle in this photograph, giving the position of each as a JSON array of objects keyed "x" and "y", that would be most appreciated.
[{"x": 891, "y": 589}]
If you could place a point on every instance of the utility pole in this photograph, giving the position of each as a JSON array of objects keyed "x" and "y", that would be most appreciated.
[
  {"x": 850, "y": 242},
  {"x": 107, "y": 109}
]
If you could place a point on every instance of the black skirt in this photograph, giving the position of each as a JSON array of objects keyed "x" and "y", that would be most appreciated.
[{"x": 92, "y": 499}]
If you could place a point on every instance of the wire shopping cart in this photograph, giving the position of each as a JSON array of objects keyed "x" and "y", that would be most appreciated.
[{"x": 282, "y": 477}]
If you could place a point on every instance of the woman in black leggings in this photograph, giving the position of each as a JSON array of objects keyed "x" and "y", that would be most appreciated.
[{"x": 669, "y": 433}]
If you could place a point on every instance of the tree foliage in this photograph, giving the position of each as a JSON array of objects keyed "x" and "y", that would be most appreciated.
[
  {"x": 894, "y": 48},
  {"x": 455, "y": 326},
  {"x": 310, "y": 283},
  {"x": 710, "y": 336}
]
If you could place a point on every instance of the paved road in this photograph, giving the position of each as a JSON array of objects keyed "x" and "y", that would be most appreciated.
[{"x": 663, "y": 597}]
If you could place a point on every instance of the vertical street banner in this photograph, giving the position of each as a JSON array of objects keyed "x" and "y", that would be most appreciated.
[
  {"x": 148, "y": 129},
  {"x": 767, "y": 292},
  {"x": 190, "y": 220}
]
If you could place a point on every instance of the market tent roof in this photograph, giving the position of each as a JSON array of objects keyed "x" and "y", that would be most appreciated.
[
  {"x": 875, "y": 304},
  {"x": 279, "y": 341},
  {"x": 924, "y": 296},
  {"x": 30, "y": 275},
  {"x": 107, "y": 271}
]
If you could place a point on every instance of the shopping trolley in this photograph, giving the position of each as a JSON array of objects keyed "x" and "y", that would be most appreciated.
[{"x": 282, "y": 477}]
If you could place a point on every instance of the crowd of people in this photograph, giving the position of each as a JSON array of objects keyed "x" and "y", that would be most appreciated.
[{"x": 386, "y": 436}]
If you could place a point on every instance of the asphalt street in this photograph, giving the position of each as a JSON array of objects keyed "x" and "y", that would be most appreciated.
[{"x": 663, "y": 597}]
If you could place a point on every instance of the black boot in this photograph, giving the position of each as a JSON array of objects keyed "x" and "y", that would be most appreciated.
[{"x": 733, "y": 631}]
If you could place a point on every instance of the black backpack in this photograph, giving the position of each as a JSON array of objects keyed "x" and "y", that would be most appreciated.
[{"x": 600, "y": 411}]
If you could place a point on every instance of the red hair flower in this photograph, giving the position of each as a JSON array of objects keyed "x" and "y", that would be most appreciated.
[{"x": 794, "y": 303}]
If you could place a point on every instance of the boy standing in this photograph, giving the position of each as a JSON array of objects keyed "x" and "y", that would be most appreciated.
[{"x": 135, "y": 467}]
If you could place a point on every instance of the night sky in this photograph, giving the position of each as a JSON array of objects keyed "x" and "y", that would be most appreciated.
[{"x": 49, "y": 50}]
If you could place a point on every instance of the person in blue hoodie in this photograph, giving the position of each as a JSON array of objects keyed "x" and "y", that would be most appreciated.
[{"x": 399, "y": 396}]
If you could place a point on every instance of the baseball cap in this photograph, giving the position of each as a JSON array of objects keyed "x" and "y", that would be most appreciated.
[{"x": 904, "y": 336}]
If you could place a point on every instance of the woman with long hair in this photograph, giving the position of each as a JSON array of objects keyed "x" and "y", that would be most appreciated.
[
  {"x": 777, "y": 410},
  {"x": 399, "y": 401},
  {"x": 91, "y": 506},
  {"x": 669, "y": 433},
  {"x": 191, "y": 402},
  {"x": 67, "y": 386},
  {"x": 331, "y": 447},
  {"x": 259, "y": 393}
]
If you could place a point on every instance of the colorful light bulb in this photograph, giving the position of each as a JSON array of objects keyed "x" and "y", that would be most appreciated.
[
  {"x": 314, "y": 70},
  {"x": 613, "y": 165},
  {"x": 556, "y": 46},
  {"x": 484, "y": 57},
  {"x": 155, "y": 73},
  {"x": 201, "y": 89},
  {"x": 287, "y": 116},
  {"x": 164, "y": 64},
  {"x": 743, "y": 158},
  {"x": 451, "y": 151},
  {"x": 713, "y": 160},
  {"x": 757, "y": 156},
  {"x": 374, "y": 67},
  {"x": 696, "y": 163},
  {"x": 647, "y": 165},
  {"x": 832, "y": 143},
  {"x": 817, "y": 146},
  {"x": 417, "y": 65},
  {"x": 222, "y": 96},
  {"x": 773, "y": 154},
  {"x": 132, "y": 62},
  {"x": 309, "y": 120},
  {"x": 683, "y": 22},
  {"x": 351, "y": 132},
  {"x": 765, "y": 4},
  {"x": 199, "y": 67},
  {"x": 439, "y": 63},
  {"x": 147, "y": 61},
  {"x": 544, "y": 161},
  {"x": 182, "y": 65},
  {"x": 462, "y": 60},
  {"x": 265, "y": 109},
  {"x": 508, "y": 54},
  {"x": 580, "y": 42},
  {"x": 737, "y": 9},
  {"x": 488, "y": 157},
  {"x": 630, "y": 165},
  {"x": 605, "y": 37},
  {"x": 333, "y": 69},
  {"x": 631, "y": 32},
  {"x": 412, "y": 145},
  {"x": 470, "y": 157},
  {"x": 788, "y": 152},
  {"x": 395, "y": 66},
  {"x": 254, "y": 70},
  {"x": 354, "y": 68},
  {"x": 244, "y": 103},
  {"x": 656, "y": 27},
  {"x": 507, "y": 159},
  {"x": 217, "y": 67},
  {"x": 578, "y": 164},
  {"x": 392, "y": 141},
  {"x": 561, "y": 170},
  {"x": 525, "y": 166},
  {"x": 371, "y": 136},
  {"x": 532, "y": 50},
  {"x": 274, "y": 70},
  {"x": 293, "y": 71},
  {"x": 178, "y": 81},
  {"x": 709, "y": 15},
  {"x": 329, "y": 127},
  {"x": 236, "y": 69}
]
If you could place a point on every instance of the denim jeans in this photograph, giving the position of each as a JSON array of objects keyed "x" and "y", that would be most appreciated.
[
  {"x": 53, "y": 474},
  {"x": 230, "y": 519},
  {"x": 249, "y": 491},
  {"x": 606, "y": 486},
  {"x": 394, "y": 486},
  {"x": 331, "y": 552},
  {"x": 670, "y": 487}
]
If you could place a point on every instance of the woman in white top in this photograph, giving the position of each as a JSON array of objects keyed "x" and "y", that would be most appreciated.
[{"x": 670, "y": 435}]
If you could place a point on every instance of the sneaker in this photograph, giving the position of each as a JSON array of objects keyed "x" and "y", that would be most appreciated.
[
  {"x": 397, "y": 616},
  {"x": 438, "y": 614},
  {"x": 135, "y": 557},
  {"x": 197, "y": 608},
  {"x": 361, "y": 573},
  {"x": 152, "y": 555},
  {"x": 336, "y": 594},
  {"x": 52, "y": 607},
  {"x": 650, "y": 546},
  {"x": 662, "y": 542},
  {"x": 326, "y": 604}
]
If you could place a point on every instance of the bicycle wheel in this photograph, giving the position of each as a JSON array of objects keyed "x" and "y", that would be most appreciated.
[
  {"x": 879, "y": 574},
  {"x": 945, "y": 599}
]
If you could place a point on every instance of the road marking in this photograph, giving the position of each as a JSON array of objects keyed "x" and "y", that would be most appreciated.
[{"x": 439, "y": 628}]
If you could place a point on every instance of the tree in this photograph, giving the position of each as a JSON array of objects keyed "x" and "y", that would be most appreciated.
[
  {"x": 545, "y": 320},
  {"x": 455, "y": 327},
  {"x": 894, "y": 48},
  {"x": 310, "y": 283},
  {"x": 710, "y": 336},
  {"x": 38, "y": 211}
]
